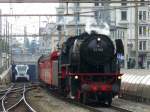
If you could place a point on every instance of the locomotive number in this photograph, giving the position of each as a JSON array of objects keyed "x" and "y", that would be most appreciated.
[{"x": 98, "y": 49}]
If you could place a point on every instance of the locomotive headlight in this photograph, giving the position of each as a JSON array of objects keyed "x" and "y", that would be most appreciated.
[
  {"x": 58, "y": 53},
  {"x": 98, "y": 39},
  {"x": 119, "y": 77},
  {"x": 76, "y": 77}
]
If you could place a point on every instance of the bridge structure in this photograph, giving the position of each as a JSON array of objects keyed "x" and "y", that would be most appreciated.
[{"x": 25, "y": 58}]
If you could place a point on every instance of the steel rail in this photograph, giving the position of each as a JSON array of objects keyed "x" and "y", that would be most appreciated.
[
  {"x": 15, "y": 105},
  {"x": 120, "y": 109},
  {"x": 5, "y": 90},
  {"x": 4, "y": 97},
  {"x": 24, "y": 99},
  {"x": 13, "y": 89},
  {"x": 70, "y": 101},
  {"x": 91, "y": 108}
]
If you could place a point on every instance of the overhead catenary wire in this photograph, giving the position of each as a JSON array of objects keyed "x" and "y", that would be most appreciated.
[
  {"x": 76, "y": 13},
  {"x": 101, "y": 1},
  {"x": 67, "y": 1},
  {"x": 99, "y": 8},
  {"x": 82, "y": 14},
  {"x": 113, "y": 8}
]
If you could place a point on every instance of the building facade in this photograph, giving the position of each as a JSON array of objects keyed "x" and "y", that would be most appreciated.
[
  {"x": 74, "y": 25},
  {"x": 120, "y": 14},
  {"x": 126, "y": 17},
  {"x": 48, "y": 38}
]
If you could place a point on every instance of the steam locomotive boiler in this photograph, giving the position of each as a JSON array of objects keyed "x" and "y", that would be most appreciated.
[{"x": 86, "y": 68}]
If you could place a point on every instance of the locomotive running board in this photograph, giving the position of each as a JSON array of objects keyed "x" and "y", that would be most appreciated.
[{"x": 96, "y": 74}]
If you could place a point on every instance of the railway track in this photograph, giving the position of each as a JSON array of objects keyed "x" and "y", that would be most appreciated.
[
  {"x": 103, "y": 108},
  {"x": 93, "y": 108},
  {"x": 13, "y": 99},
  {"x": 18, "y": 88}
]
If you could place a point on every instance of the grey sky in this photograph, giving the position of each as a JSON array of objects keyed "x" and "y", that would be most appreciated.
[{"x": 32, "y": 23}]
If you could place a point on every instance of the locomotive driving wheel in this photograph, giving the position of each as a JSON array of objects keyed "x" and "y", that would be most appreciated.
[
  {"x": 84, "y": 98},
  {"x": 105, "y": 99},
  {"x": 109, "y": 100}
]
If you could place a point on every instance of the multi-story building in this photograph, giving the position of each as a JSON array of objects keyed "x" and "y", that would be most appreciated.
[
  {"x": 119, "y": 15},
  {"x": 126, "y": 17},
  {"x": 0, "y": 23},
  {"x": 44, "y": 42},
  {"x": 48, "y": 38},
  {"x": 74, "y": 25},
  {"x": 0, "y": 38}
]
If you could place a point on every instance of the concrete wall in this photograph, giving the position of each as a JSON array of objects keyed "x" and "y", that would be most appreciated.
[{"x": 5, "y": 77}]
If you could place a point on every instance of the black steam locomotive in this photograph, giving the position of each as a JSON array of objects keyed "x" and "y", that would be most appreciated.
[
  {"x": 91, "y": 53},
  {"x": 88, "y": 68}
]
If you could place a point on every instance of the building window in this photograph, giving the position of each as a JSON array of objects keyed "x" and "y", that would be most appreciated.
[
  {"x": 80, "y": 31},
  {"x": 118, "y": 32},
  {"x": 123, "y": 15},
  {"x": 43, "y": 44},
  {"x": 103, "y": 1},
  {"x": 149, "y": 31},
  {"x": 142, "y": 15},
  {"x": 142, "y": 2},
  {"x": 149, "y": 15},
  {"x": 142, "y": 45},
  {"x": 124, "y": 2},
  {"x": 123, "y": 35},
  {"x": 96, "y": 3},
  {"x": 78, "y": 17},
  {"x": 142, "y": 30},
  {"x": 97, "y": 14}
]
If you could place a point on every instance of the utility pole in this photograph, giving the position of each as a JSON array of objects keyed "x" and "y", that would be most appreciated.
[
  {"x": 8, "y": 44},
  {"x": 136, "y": 34},
  {"x": 11, "y": 61},
  {"x": 77, "y": 17},
  {"x": 10, "y": 37},
  {"x": 6, "y": 62}
]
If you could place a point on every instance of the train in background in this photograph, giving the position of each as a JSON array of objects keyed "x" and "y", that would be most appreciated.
[
  {"x": 86, "y": 68},
  {"x": 24, "y": 72}
]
